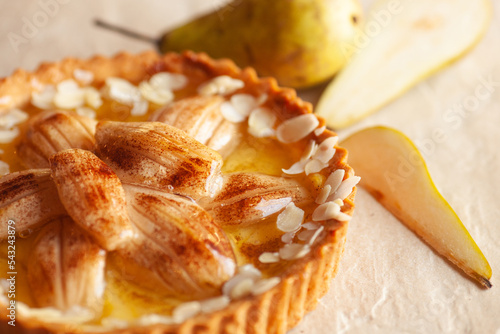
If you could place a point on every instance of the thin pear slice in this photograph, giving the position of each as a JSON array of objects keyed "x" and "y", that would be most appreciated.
[
  {"x": 66, "y": 267},
  {"x": 394, "y": 172},
  {"x": 93, "y": 196},
  {"x": 419, "y": 38},
  {"x": 52, "y": 131}
]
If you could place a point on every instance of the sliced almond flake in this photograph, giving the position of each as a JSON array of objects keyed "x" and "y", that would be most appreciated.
[
  {"x": 152, "y": 319},
  {"x": 75, "y": 315},
  {"x": 339, "y": 202},
  {"x": 314, "y": 166},
  {"x": 315, "y": 236},
  {"x": 44, "y": 99},
  {"x": 115, "y": 323},
  {"x": 221, "y": 85},
  {"x": 343, "y": 217},
  {"x": 139, "y": 108},
  {"x": 168, "y": 81},
  {"x": 326, "y": 211},
  {"x": 5, "y": 99},
  {"x": 269, "y": 257},
  {"x": 92, "y": 97},
  {"x": 261, "y": 123},
  {"x": 335, "y": 179},
  {"x": 296, "y": 168},
  {"x": 323, "y": 194},
  {"x": 122, "y": 91},
  {"x": 83, "y": 76},
  {"x": 69, "y": 95},
  {"x": 86, "y": 112},
  {"x": 290, "y": 219},
  {"x": 306, "y": 235},
  {"x": 261, "y": 99},
  {"x": 242, "y": 289},
  {"x": 311, "y": 148},
  {"x": 265, "y": 285},
  {"x": 320, "y": 130},
  {"x": 294, "y": 129},
  {"x": 4, "y": 168},
  {"x": 36, "y": 84},
  {"x": 230, "y": 113},
  {"x": 345, "y": 188},
  {"x": 311, "y": 226},
  {"x": 248, "y": 270},
  {"x": 294, "y": 251},
  {"x": 214, "y": 304},
  {"x": 288, "y": 237},
  {"x": 67, "y": 86},
  {"x": 326, "y": 150},
  {"x": 231, "y": 284},
  {"x": 186, "y": 310},
  {"x": 244, "y": 103},
  {"x": 8, "y": 135},
  {"x": 155, "y": 95},
  {"x": 12, "y": 117},
  {"x": 69, "y": 100}
]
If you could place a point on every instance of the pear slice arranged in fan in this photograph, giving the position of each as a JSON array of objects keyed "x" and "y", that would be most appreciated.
[
  {"x": 394, "y": 172},
  {"x": 414, "y": 40}
]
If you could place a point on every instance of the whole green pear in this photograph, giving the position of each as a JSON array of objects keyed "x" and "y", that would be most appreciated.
[{"x": 299, "y": 42}]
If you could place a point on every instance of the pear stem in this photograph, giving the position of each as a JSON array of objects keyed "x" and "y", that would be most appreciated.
[{"x": 125, "y": 31}]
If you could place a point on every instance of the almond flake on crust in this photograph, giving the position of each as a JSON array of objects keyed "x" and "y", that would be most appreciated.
[
  {"x": 323, "y": 194},
  {"x": 92, "y": 97},
  {"x": 8, "y": 135},
  {"x": 186, "y": 310},
  {"x": 269, "y": 257},
  {"x": 69, "y": 95},
  {"x": 290, "y": 219},
  {"x": 214, "y": 304},
  {"x": 311, "y": 226},
  {"x": 287, "y": 238},
  {"x": 296, "y": 168},
  {"x": 86, "y": 112},
  {"x": 122, "y": 91},
  {"x": 261, "y": 123},
  {"x": 314, "y": 166},
  {"x": 335, "y": 179},
  {"x": 294, "y": 129},
  {"x": 170, "y": 81},
  {"x": 265, "y": 285},
  {"x": 326, "y": 150},
  {"x": 82, "y": 76},
  {"x": 221, "y": 85},
  {"x": 294, "y": 251},
  {"x": 4, "y": 168},
  {"x": 44, "y": 99},
  {"x": 242, "y": 289},
  {"x": 320, "y": 130},
  {"x": 326, "y": 211},
  {"x": 316, "y": 234},
  {"x": 345, "y": 188}
]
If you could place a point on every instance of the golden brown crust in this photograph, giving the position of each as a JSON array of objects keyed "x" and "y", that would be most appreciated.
[{"x": 302, "y": 283}]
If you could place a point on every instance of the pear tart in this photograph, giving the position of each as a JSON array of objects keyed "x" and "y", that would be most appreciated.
[{"x": 166, "y": 194}]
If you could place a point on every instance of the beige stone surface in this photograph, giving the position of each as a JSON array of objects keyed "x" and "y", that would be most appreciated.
[{"x": 389, "y": 280}]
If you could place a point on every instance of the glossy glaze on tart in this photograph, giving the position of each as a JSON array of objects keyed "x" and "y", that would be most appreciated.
[{"x": 172, "y": 194}]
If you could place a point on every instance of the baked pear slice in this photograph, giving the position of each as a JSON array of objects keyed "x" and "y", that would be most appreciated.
[
  {"x": 418, "y": 39},
  {"x": 394, "y": 172}
]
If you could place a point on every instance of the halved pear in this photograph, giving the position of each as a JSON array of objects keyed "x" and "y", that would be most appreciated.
[
  {"x": 401, "y": 45},
  {"x": 394, "y": 172}
]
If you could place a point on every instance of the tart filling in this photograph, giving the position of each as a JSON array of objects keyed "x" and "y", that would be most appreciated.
[{"x": 166, "y": 191}]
